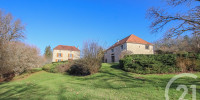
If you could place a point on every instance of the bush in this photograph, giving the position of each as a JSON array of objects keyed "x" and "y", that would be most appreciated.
[
  {"x": 198, "y": 56},
  {"x": 197, "y": 67},
  {"x": 79, "y": 68},
  {"x": 18, "y": 57},
  {"x": 85, "y": 66},
  {"x": 49, "y": 68},
  {"x": 62, "y": 68},
  {"x": 34, "y": 70},
  {"x": 7, "y": 76},
  {"x": 160, "y": 63},
  {"x": 91, "y": 61},
  {"x": 53, "y": 67}
]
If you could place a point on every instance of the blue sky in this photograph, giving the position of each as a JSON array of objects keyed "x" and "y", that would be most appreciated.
[{"x": 71, "y": 22}]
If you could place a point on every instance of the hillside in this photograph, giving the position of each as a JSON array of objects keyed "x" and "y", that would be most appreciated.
[{"x": 110, "y": 83}]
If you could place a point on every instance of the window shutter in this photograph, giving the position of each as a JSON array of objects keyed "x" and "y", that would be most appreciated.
[
  {"x": 61, "y": 55},
  {"x": 61, "y": 59},
  {"x": 57, "y": 54},
  {"x": 72, "y": 56},
  {"x": 56, "y": 60},
  {"x": 68, "y": 55}
]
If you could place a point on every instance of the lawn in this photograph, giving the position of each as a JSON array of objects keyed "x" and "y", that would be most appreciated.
[{"x": 110, "y": 83}]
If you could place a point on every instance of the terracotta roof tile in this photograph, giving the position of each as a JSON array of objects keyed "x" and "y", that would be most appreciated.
[
  {"x": 64, "y": 47},
  {"x": 130, "y": 39}
]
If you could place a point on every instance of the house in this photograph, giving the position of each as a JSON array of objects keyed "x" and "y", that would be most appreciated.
[
  {"x": 64, "y": 53},
  {"x": 131, "y": 43}
]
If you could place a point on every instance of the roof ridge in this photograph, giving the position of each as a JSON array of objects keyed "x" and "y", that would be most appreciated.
[
  {"x": 66, "y": 47},
  {"x": 132, "y": 39},
  {"x": 129, "y": 37}
]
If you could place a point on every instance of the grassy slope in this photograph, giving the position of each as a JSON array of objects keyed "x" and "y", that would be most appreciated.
[{"x": 109, "y": 83}]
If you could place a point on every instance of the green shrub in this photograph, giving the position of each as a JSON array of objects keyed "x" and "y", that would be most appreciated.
[
  {"x": 52, "y": 68},
  {"x": 160, "y": 63},
  {"x": 197, "y": 67},
  {"x": 48, "y": 67},
  {"x": 198, "y": 56},
  {"x": 34, "y": 70}
]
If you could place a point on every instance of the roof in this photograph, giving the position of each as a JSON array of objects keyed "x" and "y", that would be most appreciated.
[
  {"x": 64, "y": 47},
  {"x": 130, "y": 39}
]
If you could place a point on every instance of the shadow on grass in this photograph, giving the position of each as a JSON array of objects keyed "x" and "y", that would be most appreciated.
[
  {"x": 108, "y": 78},
  {"x": 115, "y": 78},
  {"x": 21, "y": 91}
]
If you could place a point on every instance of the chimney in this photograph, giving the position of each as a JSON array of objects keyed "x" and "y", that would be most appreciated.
[{"x": 77, "y": 47}]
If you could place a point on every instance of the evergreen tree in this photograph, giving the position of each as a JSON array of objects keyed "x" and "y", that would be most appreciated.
[{"x": 48, "y": 52}]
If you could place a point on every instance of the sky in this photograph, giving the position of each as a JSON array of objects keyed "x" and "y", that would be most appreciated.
[{"x": 72, "y": 22}]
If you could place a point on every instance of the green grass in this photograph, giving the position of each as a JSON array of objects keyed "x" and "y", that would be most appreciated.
[{"x": 110, "y": 83}]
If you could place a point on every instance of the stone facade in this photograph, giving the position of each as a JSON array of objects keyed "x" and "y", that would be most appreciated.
[
  {"x": 134, "y": 48},
  {"x": 140, "y": 48},
  {"x": 131, "y": 43},
  {"x": 115, "y": 52},
  {"x": 64, "y": 55}
]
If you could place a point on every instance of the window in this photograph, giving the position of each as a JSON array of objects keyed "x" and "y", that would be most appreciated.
[
  {"x": 59, "y": 55},
  {"x": 112, "y": 50},
  {"x": 146, "y": 46},
  {"x": 59, "y": 60},
  {"x": 122, "y": 47},
  {"x": 70, "y": 55}
]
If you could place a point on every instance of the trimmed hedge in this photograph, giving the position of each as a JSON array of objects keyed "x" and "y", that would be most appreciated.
[{"x": 160, "y": 63}]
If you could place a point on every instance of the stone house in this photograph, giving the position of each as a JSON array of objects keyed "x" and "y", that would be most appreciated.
[
  {"x": 64, "y": 53},
  {"x": 131, "y": 43}
]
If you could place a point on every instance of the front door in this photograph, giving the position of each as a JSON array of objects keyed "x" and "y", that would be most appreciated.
[{"x": 113, "y": 58}]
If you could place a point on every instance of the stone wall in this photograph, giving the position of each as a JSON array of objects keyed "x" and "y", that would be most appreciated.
[
  {"x": 133, "y": 47},
  {"x": 139, "y": 48},
  {"x": 116, "y": 53}
]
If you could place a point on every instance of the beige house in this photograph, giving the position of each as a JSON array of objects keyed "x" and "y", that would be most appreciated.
[
  {"x": 131, "y": 43},
  {"x": 64, "y": 53}
]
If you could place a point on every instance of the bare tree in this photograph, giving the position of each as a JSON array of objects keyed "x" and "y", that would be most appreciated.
[
  {"x": 92, "y": 50},
  {"x": 124, "y": 53},
  {"x": 19, "y": 57},
  {"x": 90, "y": 62},
  {"x": 188, "y": 22},
  {"x": 180, "y": 44},
  {"x": 15, "y": 57},
  {"x": 10, "y": 29}
]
